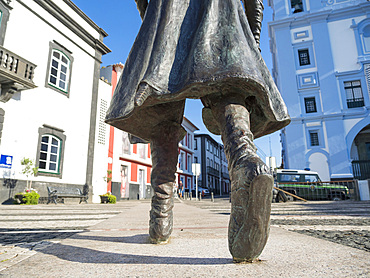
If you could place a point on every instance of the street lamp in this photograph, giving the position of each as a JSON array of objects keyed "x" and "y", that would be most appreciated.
[{"x": 195, "y": 167}]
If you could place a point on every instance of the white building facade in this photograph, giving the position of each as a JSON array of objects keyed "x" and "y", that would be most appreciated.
[
  {"x": 51, "y": 55},
  {"x": 321, "y": 64}
]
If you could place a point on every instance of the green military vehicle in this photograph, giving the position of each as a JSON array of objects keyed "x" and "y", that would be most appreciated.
[{"x": 308, "y": 185}]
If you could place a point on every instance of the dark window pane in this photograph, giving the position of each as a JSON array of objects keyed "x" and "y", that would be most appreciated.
[
  {"x": 54, "y": 150},
  {"x": 56, "y": 54},
  {"x": 62, "y": 84},
  {"x": 55, "y": 64},
  {"x": 45, "y": 139},
  {"x": 310, "y": 104},
  {"x": 297, "y": 6},
  {"x": 64, "y": 60},
  {"x": 63, "y": 69},
  {"x": 304, "y": 57},
  {"x": 314, "y": 138},
  {"x": 52, "y": 166},
  {"x": 347, "y": 84},
  {"x": 356, "y": 83},
  {"x": 54, "y": 72},
  {"x": 43, "y": 156},
  {"x": 63, "y": 76},
  {"x": 42, "y": 165},
  {"x": 54, "y": 142},
  {"x": 53, "y": 80},
  {"x": 44, "y": 147},
  {"x": 53, "y": 158},
  {"x": 354, "y": 94}
]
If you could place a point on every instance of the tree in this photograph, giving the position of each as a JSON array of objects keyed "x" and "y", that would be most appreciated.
[{"x": 28, "y": 170}]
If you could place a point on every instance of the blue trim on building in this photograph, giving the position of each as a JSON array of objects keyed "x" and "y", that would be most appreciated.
[
  {"x": 307, "y": 80},
  {"x": 351, "y": 135}
]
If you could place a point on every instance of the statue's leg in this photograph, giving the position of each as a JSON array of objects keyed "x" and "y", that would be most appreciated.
[
  {"x": 251, "y": 181},
  {"x": 164, "y": 148}
]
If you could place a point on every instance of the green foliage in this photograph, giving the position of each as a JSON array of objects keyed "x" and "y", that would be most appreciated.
[
  {"x": 27, "y": 198},
  {"x": 112, "y": 199},
  {"x": 28, "y": 168},
  {"x": 108, "y": 178}
]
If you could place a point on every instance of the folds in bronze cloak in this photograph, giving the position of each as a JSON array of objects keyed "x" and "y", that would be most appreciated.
[{"x": 190, "y": 49}]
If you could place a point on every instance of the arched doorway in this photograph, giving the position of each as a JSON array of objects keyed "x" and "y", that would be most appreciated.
[{"x": 360, "y": 154}]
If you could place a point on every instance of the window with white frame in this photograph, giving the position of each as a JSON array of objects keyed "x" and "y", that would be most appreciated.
[
  {"x": 189, "y": 162},
  {"x": 182, "y": 162},
  {"x": 195, "y": 144},
  {"x": 59, "y": 68},
  {"x": 314, "y": 138},
  {"x": 354, "y": 94},
  {"x": 50, "y": 151},
  {"x": 49, "y": 154},
  {"x": 141, "y": 150}
]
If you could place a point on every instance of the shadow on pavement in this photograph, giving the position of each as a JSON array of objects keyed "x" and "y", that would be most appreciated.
[
  {"x": 136, "y": 239},
  {"x": 88, "y": 256}
]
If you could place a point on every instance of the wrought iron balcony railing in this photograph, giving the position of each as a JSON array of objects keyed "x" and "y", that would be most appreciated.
[
  {"x": 361, "y": 169},
  {"x": 355, "y": 102},
  {"x": 16, "y": 74},
  {"x": 225, "y": 175},
  {"x": 212, "y": 171}
]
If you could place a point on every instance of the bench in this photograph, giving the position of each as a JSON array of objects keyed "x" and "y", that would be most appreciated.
[{"x": 65, "y": 192}]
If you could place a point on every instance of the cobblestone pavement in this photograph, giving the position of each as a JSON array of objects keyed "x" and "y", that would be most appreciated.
[{"x": 343, "y": 222}]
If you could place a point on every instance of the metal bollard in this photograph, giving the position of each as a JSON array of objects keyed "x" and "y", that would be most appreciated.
[
  {"x": 190, "y": 195},
  {"x": 212, "y": 199},
  {"x": 200, "y": 197}
]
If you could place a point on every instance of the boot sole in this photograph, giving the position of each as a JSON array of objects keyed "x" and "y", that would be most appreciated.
[{"x": 251, "y": 237}]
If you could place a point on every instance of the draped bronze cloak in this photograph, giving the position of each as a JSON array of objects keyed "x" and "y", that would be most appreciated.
[{"x": 190, "y": 49}]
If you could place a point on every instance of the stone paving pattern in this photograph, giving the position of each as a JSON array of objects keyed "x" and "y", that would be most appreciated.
[
  {"x": 26, "y": 231},
  {"x": 342, "y": 222}
]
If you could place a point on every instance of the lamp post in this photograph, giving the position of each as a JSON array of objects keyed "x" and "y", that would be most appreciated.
[{"x": 196, "y": 171}]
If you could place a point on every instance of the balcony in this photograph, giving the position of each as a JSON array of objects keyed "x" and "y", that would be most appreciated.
[
  {"x": 16, "y": 74},
  {"x": 361, "y": 169},
  {"x": 355, "y": 102},
  {"x": 212, "y": 171},
  {"x": 225, "y": 175}
]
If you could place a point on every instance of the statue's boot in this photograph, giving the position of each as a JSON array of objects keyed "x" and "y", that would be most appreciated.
[
  {"x": 251, "y": 181},
  {"x": 164, "y": 150}
]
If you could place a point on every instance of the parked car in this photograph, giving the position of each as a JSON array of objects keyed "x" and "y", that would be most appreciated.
[
  {"x": 203, "y": 191},
  {"x": 308, "y": 185}
]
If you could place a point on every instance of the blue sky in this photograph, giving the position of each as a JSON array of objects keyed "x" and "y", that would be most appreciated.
[{"x": 121, "y": 20}]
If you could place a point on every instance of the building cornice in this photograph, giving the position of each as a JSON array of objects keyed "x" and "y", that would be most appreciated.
[
  {"x": 137, "y": 161},
  {"x": 328, "y": 15},
  {"x": 71, "y": 24},
  {"x": 207, "y": 136},
  {"x": 354, "y": 113},
  {"x": 85, "y": 17}
]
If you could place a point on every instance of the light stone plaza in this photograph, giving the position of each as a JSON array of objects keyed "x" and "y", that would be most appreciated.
[{"x": 134, "y": 138}]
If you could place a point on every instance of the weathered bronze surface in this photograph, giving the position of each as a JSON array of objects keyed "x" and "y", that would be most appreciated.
[{"x": 205, "y": 49}]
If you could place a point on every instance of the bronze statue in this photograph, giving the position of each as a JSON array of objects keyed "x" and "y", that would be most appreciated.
[{"x": 207, "y": 49}]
